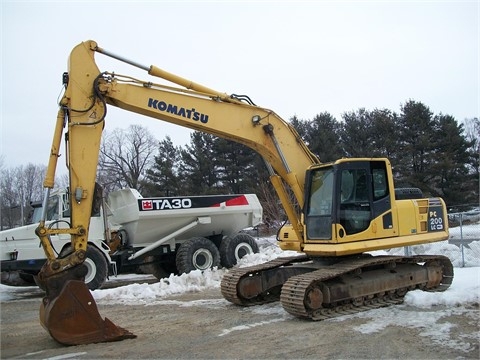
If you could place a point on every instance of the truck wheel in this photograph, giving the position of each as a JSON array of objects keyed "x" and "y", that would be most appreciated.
[
  {"x": 153, "y": 267},
  {"x": 197, "y": 254},
  {"x": 232, "y": 249},
  {"x": 15, "y": 278},
  {"x": 97, "y": 268},
  {"x": 27, "y": 277}
]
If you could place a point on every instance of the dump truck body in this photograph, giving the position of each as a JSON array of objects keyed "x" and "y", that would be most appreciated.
[{"x": 135, "y": 229}]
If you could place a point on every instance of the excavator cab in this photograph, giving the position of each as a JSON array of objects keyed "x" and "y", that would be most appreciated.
[
  {"x": 350, "y": 209},
  {"x": 352, "y": 205},
  {"x": 344, "y": 197}
]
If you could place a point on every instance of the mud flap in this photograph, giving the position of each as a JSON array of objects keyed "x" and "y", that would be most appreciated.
[{"x": 72, "y": 318}]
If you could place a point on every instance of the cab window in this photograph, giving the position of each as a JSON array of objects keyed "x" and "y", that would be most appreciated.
[
  {"x": 380, "y": 183},
  {"x": 355, "y": 209},
  {"x": 320, "y": 204}
]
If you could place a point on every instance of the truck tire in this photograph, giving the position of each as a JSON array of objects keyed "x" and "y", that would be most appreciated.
[
  {"x": 232, "y": 249},
  {"x": 97, "y": 268},
  {"x": 27, "y": 277},
  {"x": 197, "y": 253},
  {"x": 154, "y": 267},
  {"x": 15, "y": 278}
]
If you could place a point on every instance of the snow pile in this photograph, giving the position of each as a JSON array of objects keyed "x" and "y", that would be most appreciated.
[
  {"x": 465, "y": 287},
  {"x": 194, "y": 281},
  {"x": 465, "y": 232},
  {"x": 471, "y": 252},
  {"x": 268, "y": 251},
  {"x": 470, "y": 235}
]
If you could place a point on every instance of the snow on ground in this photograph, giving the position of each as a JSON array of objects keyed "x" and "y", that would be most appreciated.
[
  {"x": 427, "y": 312},
  {"x": 191, "y": 282},
  {"x": 429, "y": 307},
  {"x": 464, "y": 290}
]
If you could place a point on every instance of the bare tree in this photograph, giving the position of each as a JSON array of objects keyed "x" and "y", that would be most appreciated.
[
  {"x": 62, "y": 181},
  {"x": 472, "y": 134},
  {"x": 274, "y": 216},
  {"x": 124, "y": 157},
  {"x": 18, "y": 188},
  {"x": 9, "y": 199},
  {"x": 31, "y": 181},
  {"x": 2, "y": 164}
]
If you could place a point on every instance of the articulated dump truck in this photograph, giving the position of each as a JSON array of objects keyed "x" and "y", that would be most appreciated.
[{"x": 130, "y": 233}]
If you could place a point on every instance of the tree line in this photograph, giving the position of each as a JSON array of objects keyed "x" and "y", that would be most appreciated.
[{"x": 433, "y": 152}]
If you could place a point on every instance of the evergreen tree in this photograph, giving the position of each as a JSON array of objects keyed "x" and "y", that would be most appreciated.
[
  {"x": 162, "y": 177},
  {"x": 236, "y": 166},
  {"x": 384, "y": 140},
  {"x": 450, "y": 166},
  {"x": 321, "y": 135},
  {"x": 356, "y": 134},
  {"x": 417, "y": 141},
  {"x": 198, "y": 172},
  {"x": 301, "y": 126}
]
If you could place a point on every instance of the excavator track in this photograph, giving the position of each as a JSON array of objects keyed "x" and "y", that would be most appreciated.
[
  {"x": 342, "y": 288},
  {"x": 318, "y": 291},
  {"x": 232, "y": 279}
]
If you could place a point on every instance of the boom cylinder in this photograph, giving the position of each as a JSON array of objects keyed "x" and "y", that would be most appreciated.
[{"x": 156, "y": 71}]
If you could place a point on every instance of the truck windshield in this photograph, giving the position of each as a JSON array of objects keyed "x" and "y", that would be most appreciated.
[
  {"x": 320, "y": 204},
  {"x": 52, "y": 210}
]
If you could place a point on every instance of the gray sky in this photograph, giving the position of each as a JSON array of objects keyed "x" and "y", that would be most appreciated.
[{"x": 296, "y": 58}]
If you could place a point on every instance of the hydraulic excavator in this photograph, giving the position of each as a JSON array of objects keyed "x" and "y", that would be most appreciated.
[{"x": 337, "y": 212}]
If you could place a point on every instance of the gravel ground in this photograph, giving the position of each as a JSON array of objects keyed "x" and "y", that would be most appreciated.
[{"x": 205, "y": 326}]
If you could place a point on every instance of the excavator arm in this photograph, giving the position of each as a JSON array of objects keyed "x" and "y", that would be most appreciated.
[
  {"x": 83, "y": 110},
  {"x": 82, "y": 113}
]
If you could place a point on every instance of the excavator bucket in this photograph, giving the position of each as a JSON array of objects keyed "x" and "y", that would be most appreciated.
[{"x": 72, "y": 318}]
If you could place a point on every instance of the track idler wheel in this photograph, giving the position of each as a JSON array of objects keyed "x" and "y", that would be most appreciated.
[
  {"x": 72, "y": 317},
  {"x": 314, "y": 298}
]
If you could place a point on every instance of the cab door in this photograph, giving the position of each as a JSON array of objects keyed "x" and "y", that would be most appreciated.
[{"x": 363, "y": 195}]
